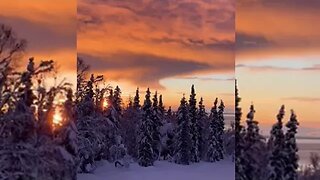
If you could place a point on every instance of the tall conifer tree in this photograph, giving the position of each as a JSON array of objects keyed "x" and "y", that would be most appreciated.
[
  {"x": 145, "y": 154},
  {"x": 156, "y": 126},
  {"x": 183, "y": 136},
  {"x": 213, "y": 154},
  {"x": 195, "y": 127},
  {"x": 291, "y": 149},
  {"x": 203, "y": 122},
  {"x": 220, "y": 129},
  {"x": 276, "y": 142},
  {"x": 239, "y": 148}
]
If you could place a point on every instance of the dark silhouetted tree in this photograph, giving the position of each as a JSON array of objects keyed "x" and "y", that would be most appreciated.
[
  {"x": 145, "y": 153},
  {"x": 276, "y": 144},
  {"x": 291, "y": 149},
  {"x": 183, "y": 135},
  {"x": 195, "y": 127}
]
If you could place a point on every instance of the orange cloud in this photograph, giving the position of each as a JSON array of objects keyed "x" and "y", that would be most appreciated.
[
  {"x": 198, "y": 31},
  {"x": 160, "y": 44},
  {"x": 266, "y": 28}
]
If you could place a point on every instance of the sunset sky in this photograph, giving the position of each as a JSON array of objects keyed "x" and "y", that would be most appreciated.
[
  {"x": 278, "y": 60},
  {"x": 165, "y": 45},
  {"x": 49, "y": 28}
]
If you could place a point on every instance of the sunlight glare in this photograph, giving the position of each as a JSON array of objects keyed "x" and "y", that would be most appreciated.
[{"x": 57, "y": 117}]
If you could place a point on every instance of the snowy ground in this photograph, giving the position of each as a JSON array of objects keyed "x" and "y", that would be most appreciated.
[{"x": 163, "y": 170}]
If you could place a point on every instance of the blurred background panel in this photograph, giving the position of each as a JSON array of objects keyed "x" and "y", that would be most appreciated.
[
  {"x": 49, "y": 29},
  {"x": 278, "y": 62}
]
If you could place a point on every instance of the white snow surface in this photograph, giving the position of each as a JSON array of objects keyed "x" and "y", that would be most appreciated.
[{"x": 163, "y": 170}]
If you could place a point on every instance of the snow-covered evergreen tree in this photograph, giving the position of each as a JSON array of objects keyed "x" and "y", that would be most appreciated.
[
  {"x": 167, "y": 141},
  {"x": 291, "y": 149},
  {"x": 195, "y": 127},
  {"x": 239, "y": 148},
  {"x": 27, "y": 142},
  {"x": 86, "y": 128},
  {"x": 114, "y": 111},
  {"x": 167, "y": 135},
  {"x": 220, "y": 130},
  {"x": 94, "y": 128},
  {"x": 130, "y": 124},
  {"x": 254, "y": 146},
  {"x": 18, "y": 135},
  {"x": 183, "y": 135},
  {"x": 229, "y": 141},
  {"x": 162, "y": 110},
  {"x": 276, "y": 144},
  {"x": 117, "y": 100},
  {"x": 67, "y": 138},
  {"x": 213, "y": 154},
  {"x": 170, "y": 116},
  {"x": 156, "y": 119},
  {"x": 145, "y": 151},
  {"x": 136, "y": 100},
  {"x": 203, "y": 126}
]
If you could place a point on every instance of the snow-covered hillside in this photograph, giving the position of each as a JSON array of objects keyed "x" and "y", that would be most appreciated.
[{"x": 163, "y": 170}]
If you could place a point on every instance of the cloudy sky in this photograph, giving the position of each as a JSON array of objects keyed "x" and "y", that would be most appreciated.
[
  {"x": 278, "y": 59},
  {"x": 166, "y": 45},
  {"x": 49, "y": 28}
]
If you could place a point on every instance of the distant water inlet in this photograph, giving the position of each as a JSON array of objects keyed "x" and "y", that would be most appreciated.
[{"x": 306, "y": 147}]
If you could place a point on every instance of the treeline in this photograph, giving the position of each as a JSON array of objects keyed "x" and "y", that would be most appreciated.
[
  {"x": 30, "y": 146},
  {"x": 258, "y": 158},
  {"x": 146, "y": 132}
]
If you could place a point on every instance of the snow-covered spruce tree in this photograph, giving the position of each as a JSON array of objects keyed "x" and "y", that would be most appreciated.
[
  {"x": 115, "y": 106},
  {"x": 136, "y": 100},
  {"x": 156, "y": 119},
  {"x": 27, "y": 141},
  {"x": 204, "y": 124},
  {"x": 254, "y": 146},
  {"x": 229, "y": 141},
  {"x": 145, "y": 151},
  {"x": 213, "y": 154},
  {"x": 56, "y": 148},
  {"x": 18, "y": 135},
  {"x": 130, "y": 124},
  {"x": 195, "y": 127},
  {"x": 220, "y": 130},
  {"x": 170, "y": 116},
  {"x": 86, "y": 130},
  {"x": 117, "y": 100},
  {"x": 66, "y": 137},
  {"x": 239, "y": 149},
  {"x": 167, "y": 135},
  {"x": 167, "y": 141},
  {"x": 291, "y": 149},
  {"x": 276, "y": 145},
  {"x": 92, "y": 127},
  {"x": 183, "y": 135},
  {"x": 114, "y": 114},
  {"x": 162, "y": 110}
]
